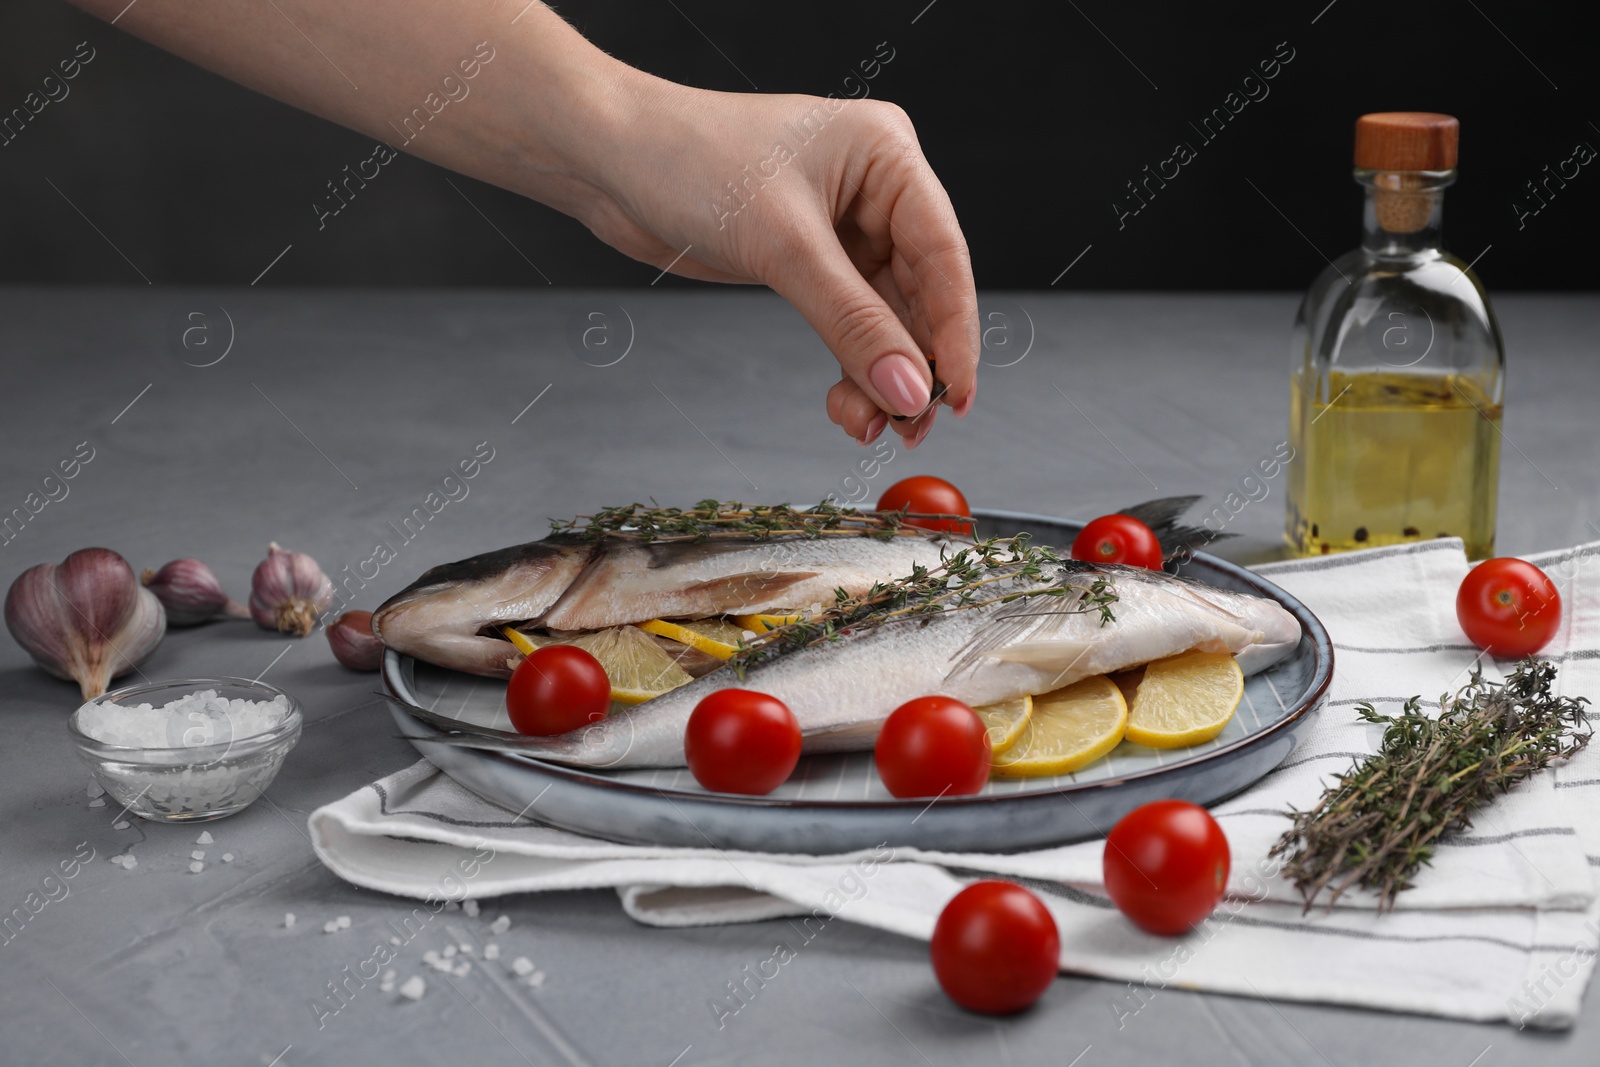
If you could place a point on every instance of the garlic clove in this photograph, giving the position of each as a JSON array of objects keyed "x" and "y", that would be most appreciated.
[
  {"x": 288, "y": 591},
  {"x": 190, "y": 592},
  {"x": 353, "y": 642},
  {"x": 139, "y": 635},
  {"x": 86, "y": 619}
]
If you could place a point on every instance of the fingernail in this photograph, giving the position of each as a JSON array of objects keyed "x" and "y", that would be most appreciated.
[
  {"x": 896, "y": 379},
  {"x": 927, "y": 427},
  {"x": 965, "y": 406},
  {"x": 875, "y": 427}
]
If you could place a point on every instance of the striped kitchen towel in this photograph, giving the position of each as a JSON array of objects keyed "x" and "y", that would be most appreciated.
[{"x": 1503, "y": 926}]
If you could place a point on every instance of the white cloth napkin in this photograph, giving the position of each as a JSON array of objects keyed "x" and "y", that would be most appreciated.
[{"x": 1503, "y": 926}]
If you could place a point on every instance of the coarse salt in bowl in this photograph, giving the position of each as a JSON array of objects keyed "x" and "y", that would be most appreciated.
[{"x": 187, "y": 750}]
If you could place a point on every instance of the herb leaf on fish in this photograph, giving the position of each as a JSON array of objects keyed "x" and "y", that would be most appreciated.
[
  {"x": 963, "y": 580},
  {"x": 1379, "y": 823},
  {"x": 712, "y": 520}
]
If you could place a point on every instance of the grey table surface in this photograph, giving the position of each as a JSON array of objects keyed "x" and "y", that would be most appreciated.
[{"x": 333, "y": 414}]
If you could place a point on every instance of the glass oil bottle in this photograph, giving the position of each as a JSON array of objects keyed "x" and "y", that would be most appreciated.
[{"x": 1397, "y": 366}]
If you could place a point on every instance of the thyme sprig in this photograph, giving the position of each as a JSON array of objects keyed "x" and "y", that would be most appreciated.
[
  {"x": 961, "y": 581},
  {"x": 717, "y": 520},
  {"x": 1381, "y": 821}
]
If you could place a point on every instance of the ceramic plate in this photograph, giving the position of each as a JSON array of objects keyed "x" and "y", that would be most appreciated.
[{"x": 835, "y": 803}]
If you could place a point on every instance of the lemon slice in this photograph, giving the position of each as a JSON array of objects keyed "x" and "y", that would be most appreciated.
[
  {"x": 1185, "y": 700},
  {"x": 760, "y": 624},
  {"x": 638, "y": 668},
  {"x": 1068, "y": 729},
  {"x": 1006, "y": 721},
  {"x": 711, "y": 636},
  {"x": 525, "y": 643}
]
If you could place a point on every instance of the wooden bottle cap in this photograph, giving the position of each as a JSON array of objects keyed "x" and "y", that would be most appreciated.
[{"x": 1406, "y": 140}]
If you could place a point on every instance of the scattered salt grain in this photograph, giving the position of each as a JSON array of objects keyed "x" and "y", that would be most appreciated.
[
  {"x": 466, "y": 949},
  {"x": 449, "y": 950},
  {"x": 471, "y": 908},
  {"x": 386, "y": 985},
  {"x": 130, "y": 861},
  {"x": 434, "y": 960},
  {"x": 288, "y": 920},
  {"x": 536, "y": 979},
  {"x": 93, "y": 789},
  {"x": 330, "y": 927},
  {"x": 343, "y": 922},
  {"x": 198, "y": 854},
  {"x": 393, "y": 940},
  {"x": 227, "y": 857},
  {"x": 98, "y": 802},
  {"x": 120, "y": 824},
  {"x": 522, "y": 966},
  {"x": 413, "y": 987},
  {"x": 491, "y": 951},
  {"x": 205, "y": 838},
  {"x": 500, "y": 925},
  {"x": 196, "y": 867},
  {"x": 118, "y": 860},
  {"x": 463, "y": 969}
]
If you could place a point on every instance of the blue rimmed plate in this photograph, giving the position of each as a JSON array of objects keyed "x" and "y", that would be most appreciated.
[{"x": 835, "y": 803}]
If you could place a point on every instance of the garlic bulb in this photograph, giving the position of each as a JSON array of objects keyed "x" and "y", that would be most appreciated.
[
  {"x": 353, "y": 642},
  {"x": 86, "y": 619},
  {"x": 190, "y": 592},
  {"x": 288, "y": 592}
]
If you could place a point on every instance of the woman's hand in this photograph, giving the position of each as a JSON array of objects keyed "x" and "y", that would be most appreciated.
[{"x": 831, "y": 203}]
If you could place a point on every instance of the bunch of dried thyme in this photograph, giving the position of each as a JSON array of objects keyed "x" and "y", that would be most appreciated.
[{"x": 1380, "y": 822}]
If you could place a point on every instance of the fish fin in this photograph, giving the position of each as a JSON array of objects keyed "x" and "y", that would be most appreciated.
[
  {"x": 754, "y": 585},
  {"x": 1032, "y": 620},
  {"x": 1046, "y": 655},
  {"x": 1162, "y": 517}
]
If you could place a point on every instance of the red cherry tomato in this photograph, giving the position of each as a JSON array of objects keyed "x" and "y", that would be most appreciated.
[
  {"x": 1509, "y": 607},
  {"x": 933, "y": 746},
  {"x": 995, "y": 948},
  {"x": 1166, "y": 865},
  {"x": 1118, "y": 539},
  {"x": 739, "y": 741},
  {"x": 930, "y": 496},
  {"x": 557, "y": 689}
]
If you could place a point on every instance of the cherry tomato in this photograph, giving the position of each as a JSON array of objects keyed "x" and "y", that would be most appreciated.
[
  {"x": 1118, "y": 539},
  {"x": 1166, "y": 865},
  {"x": 739, "y": 741},
  {"x": 556, "y": 689},
  {"x": 933, "y": 746},
  {"x": 930, "y": 496},
  {"x": 1509, "y": 607},
  {"x": 995, "y": 948}
]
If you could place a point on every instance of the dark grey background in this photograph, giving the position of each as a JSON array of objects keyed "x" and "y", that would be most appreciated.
[{"x": 1034, "y": 115}]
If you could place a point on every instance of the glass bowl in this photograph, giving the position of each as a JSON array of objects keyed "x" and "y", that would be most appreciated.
[{"x": 203, "y": 771}]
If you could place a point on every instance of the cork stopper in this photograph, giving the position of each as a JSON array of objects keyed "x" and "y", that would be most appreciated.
[
  {"x": 1406, "y": 140},
  {"x": 1396, "y": 144}
]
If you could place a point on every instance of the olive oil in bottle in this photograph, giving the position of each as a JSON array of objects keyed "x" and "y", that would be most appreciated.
[{"x": 1398, "y": 367}]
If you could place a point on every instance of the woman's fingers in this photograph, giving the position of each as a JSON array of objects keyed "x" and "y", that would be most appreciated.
[
  {"x": 855, "y": 412},
  {"x": 904, "y": 202},
  {"x": 872, "y": 345}
]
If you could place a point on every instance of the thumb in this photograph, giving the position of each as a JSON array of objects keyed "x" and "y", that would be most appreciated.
[{"x": 870, "y": 342}]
